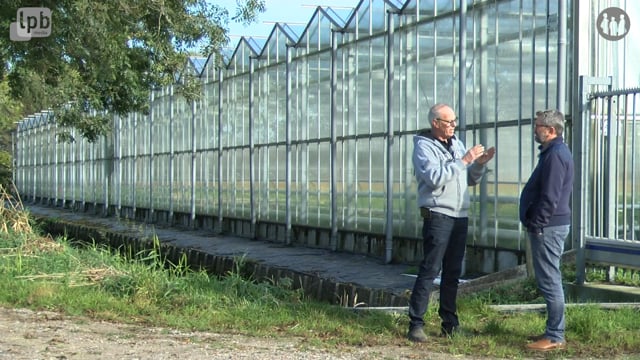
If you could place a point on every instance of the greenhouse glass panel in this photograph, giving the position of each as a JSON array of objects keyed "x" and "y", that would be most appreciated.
[{"x": 300, "y": 183}]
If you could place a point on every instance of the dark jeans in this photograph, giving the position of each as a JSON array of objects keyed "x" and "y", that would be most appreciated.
[{"x": 444, "y": 246}]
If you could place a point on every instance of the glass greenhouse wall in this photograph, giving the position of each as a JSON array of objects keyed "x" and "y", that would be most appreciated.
[{"x": 306, "y": 137}]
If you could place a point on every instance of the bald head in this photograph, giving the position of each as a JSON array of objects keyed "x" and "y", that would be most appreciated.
[
  {"x": 437, "y": 110},
  {"x": 443, "y": 121}
]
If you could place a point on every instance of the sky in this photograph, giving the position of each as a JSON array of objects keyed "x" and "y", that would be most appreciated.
[{"x": 283, "y": 11}]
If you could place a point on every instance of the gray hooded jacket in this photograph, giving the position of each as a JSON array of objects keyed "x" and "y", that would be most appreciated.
[{"x": 443, "y": 179}]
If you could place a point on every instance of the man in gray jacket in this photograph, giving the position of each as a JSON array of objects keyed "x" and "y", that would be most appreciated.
[{"x": 444, "y": 171}]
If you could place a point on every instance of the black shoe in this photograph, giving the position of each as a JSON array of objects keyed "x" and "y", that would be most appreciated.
[{"x": 416, "y": 334}]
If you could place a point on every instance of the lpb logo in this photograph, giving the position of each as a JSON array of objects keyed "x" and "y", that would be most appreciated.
[
  {"x": 613, "y": 23},
  {"x": 30, "y": 22}
]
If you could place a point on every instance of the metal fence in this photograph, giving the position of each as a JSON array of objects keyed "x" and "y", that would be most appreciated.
[{"x": 609, "y": 189}]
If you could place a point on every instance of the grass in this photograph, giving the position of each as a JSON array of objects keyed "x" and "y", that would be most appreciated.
[
  {"x": 39, "y": 272},
  {"x": 96, "y": 282}
]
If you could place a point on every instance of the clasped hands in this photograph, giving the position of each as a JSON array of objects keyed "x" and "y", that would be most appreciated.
[{"x": 479, "y": 154}]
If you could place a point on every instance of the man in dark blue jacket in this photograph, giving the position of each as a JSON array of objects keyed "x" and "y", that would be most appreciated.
[{"x": 546, "y": 213}]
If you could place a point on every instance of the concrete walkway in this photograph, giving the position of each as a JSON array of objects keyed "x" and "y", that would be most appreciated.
[
  {"x": 367, "y": 274},
  {"x": 340, "y": 278}
]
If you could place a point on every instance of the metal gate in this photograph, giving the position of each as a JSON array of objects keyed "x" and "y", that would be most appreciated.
[{"x": 607, "y": 194}]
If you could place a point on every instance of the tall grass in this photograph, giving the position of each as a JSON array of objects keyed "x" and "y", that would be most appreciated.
[
  {"x": 13, "y": 217},
  {"x": 104, "y": 284},
  {"x": 40, "y": 272}
]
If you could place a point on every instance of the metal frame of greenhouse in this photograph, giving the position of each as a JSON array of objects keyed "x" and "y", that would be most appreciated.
[{"x": 305, "y": 138}]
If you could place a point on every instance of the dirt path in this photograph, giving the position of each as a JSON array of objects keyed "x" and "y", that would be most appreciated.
[{"x": 25, "y": 334}]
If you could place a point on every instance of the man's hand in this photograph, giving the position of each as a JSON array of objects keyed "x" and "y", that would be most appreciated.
[
  {"x": 473, "y": 154},
  {"x": 486, "y": 156}
]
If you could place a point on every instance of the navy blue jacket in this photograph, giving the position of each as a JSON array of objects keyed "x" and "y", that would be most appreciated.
[{"x": 545, "y": 199}]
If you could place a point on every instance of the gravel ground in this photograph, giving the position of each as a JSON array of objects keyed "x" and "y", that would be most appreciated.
[{"x": 25, "y": 334}]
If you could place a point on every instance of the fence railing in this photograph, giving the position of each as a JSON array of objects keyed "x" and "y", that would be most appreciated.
[{"x": 609, "y": 189}]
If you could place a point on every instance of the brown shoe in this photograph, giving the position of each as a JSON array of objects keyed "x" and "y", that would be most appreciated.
[
  {"x": 547, "y": 345},
  {"x": 535, "y": 337}
]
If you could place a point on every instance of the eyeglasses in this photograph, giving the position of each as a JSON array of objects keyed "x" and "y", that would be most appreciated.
[{"x": 449, "y": 122}]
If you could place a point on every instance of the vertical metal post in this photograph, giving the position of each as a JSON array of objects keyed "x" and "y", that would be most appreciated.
[
  {"x": 462, "y": 78},
  {"x": 134, "y": 167},
  {"x": 41, "y": 148},
  {"x": 56, "y": 168},
  {"x": 65, "y": 165},
  {"x": 34, "y": 153},
  {"x": 388, "y": 243},
  {"x": 580, "y": 132},
  {"x": 581, "y": 135},
  {"x": 252, "y": 150},
  {"x": 220, "y": 149},
  {"x": 288, "y": 146},
  {"x": 94, "y": 171},
  {"x": 117, "y": 143},
  {"x": 462, "y": 82},
  {"x": 172, "y": 154},
  {"x": 610, "y": 180},
  {"x": 194, "y": 154},
  {"x": 50, "y": 153},
  {"x": 151, "y": 214},
  {"x": 332, "y": 165},
  {"x": 562, "y": 55},
  {"x": 107, "y": 170},
  {"x": 84, "y": 169}
]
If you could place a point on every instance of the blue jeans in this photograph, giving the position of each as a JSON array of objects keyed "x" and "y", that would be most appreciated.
[
  {"x": 444, "y": 244},
  {"x": 546, "y": 251}
]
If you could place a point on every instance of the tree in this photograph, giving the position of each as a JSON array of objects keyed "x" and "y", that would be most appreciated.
[
  {"x": 11, "y": 111},
  {"x": 106, "y": 56}
]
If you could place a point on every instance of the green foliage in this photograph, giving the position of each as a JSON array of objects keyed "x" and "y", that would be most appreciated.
[
  {"x": 105, "y": 56},
  {"x": 12, "y": 112},
  {"x": 521, "y": 292},
  {"x": 603, "y": 274},
  {"x": 6, "y": 168}
]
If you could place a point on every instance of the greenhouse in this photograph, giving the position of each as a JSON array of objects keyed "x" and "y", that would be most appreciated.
[{"x": 305, "y": 137}]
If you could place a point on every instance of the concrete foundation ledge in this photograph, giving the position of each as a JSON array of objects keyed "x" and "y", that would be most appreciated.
[{"x": 314, "y": 287}]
